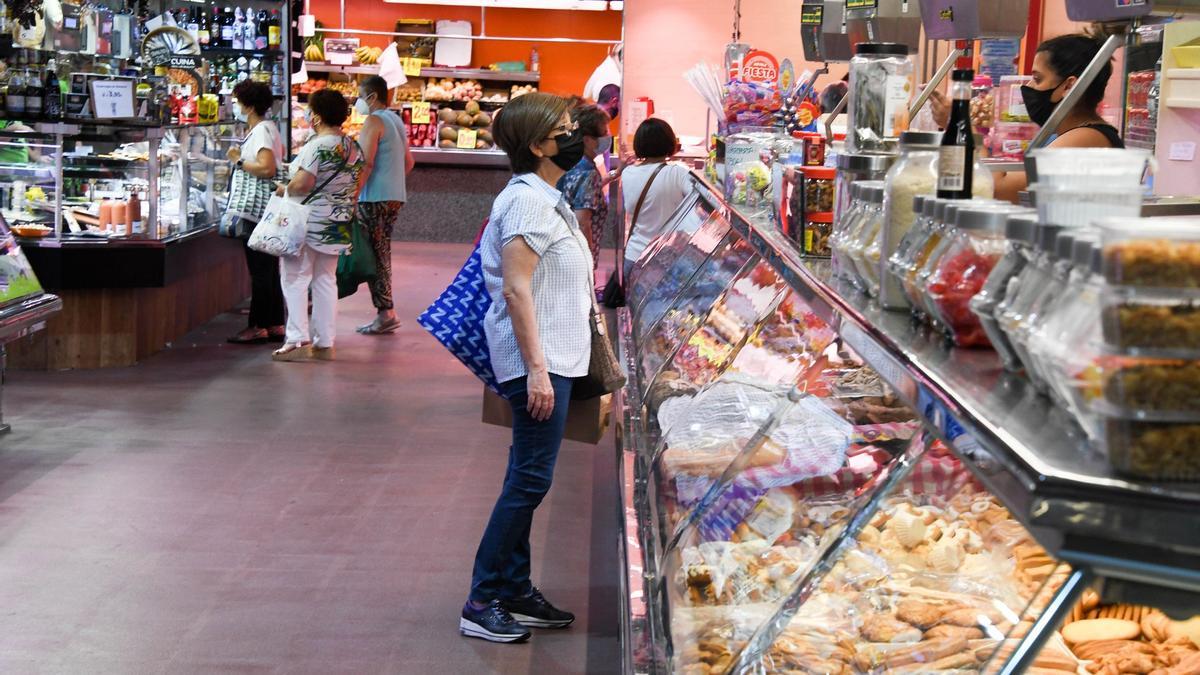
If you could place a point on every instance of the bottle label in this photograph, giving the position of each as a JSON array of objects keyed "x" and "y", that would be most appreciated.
[
  {"x": 273, "y": 36},
  {"x": 227, "y": 33},
  {"x": 952, "y": 168},
  {"x": 897, "y": 92}
]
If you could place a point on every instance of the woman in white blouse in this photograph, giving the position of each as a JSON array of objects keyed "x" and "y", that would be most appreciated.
[
  {"x": 538, "y": 271},
  {"x": 654, "y": 142}
]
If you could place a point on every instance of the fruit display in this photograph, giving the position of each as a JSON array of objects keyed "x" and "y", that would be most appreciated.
[
  {"x": 451, "y": 122},
  {"x": 446, "y": 89},
  {"x": 406, "y": 95},
  {"x": 521, "y": 90},
  {"x": 368, "y": 55},
  {"x": 308, "y": 87},
  {"x": 314, "y": 46},
  {"x": 419, "y": 135},
  {"x": 345, "y": 88}
]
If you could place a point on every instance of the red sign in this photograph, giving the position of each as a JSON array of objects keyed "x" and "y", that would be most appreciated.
[{"x": 760, "y": 67}]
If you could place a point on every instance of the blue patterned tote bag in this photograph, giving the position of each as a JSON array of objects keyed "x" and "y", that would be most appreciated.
[{"x": 455, "y": 319}]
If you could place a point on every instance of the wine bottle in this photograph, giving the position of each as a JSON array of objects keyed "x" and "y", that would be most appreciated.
[
  {"x": 51, "y": 93},
  {"x": 227, "y": 28},
  {"x": 203, "y": 32},
  {"x": 262, "y": 30},
  {"x": 956, "y": 159},
  {"x": 33, "y": 93}
]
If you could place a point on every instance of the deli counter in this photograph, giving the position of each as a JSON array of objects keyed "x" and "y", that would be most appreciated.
[{"x": 813, "y": 484}]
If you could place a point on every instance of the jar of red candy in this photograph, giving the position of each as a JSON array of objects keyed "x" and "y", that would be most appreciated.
[{"x": 978, "y": 245}]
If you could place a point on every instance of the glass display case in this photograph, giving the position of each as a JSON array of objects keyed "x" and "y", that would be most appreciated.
[{"x": 812, "y": 485}]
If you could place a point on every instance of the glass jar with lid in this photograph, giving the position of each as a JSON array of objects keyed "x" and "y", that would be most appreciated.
[
  {"x": 881, "y": 87},
  {"x": 916, "y": 236},
  {"x": 913, "y": 174},
  {"x": 817, "y": 227},
  {"x": 1027, "y": 289},
  {"x": 748, "y": 170},
  {"x": 978, "y": 244},
  {"x": 1065, "y": 343},
  {"x": 939, "y": 240},
  {"x": 1019, "y": 231},
  {"x": 851, "y": 169},
  {"x": 842, "y": 227},
  {"x": 1035, "y": 317},
  {"x": 867, "y": 230}
]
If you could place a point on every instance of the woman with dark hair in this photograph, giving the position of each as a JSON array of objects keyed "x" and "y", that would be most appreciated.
[
  {"x": 256, "y": 163},
  {"x": 664, "y": 184},
  {"x": 538, "y": 272},
  {"x": 583, "y": 185},
  {"x": 326, "y": 173},
  {"x": 1057, "y": 66},
  {"x": 384, "y": 142}
]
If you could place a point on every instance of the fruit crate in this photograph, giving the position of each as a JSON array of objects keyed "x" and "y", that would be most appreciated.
[{"x": 471, "y": 117}]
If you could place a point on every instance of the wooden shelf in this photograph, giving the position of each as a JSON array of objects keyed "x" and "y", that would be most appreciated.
[{"x": 455, "y": 73}]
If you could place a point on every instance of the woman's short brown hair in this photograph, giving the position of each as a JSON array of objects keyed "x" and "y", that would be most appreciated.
[
  {"x": 592, "y": 120},
  {"x": 526, "y": 120}
]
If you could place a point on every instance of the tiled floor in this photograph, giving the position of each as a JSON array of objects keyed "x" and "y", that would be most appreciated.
[{"x": 210, "y": 511}]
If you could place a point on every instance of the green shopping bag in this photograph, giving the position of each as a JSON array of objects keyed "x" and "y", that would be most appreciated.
[{"x": 356, "y": 266}]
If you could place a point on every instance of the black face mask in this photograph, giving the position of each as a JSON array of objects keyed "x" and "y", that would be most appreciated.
[
  {"x": 1038, "y": 103},
  {"x": 570, "y": 150}
]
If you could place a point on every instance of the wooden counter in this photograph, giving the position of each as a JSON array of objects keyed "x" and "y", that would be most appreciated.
[{"x": 125, "y": 300}]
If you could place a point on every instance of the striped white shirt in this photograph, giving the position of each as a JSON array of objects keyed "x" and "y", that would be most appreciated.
[{"x": 536, "y": 211}]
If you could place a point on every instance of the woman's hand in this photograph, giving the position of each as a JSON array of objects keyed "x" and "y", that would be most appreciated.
[
  {"x": 234, "y": 153},
  {"x": 941, "y": 108},
  {"x": 540, "y": 394}
]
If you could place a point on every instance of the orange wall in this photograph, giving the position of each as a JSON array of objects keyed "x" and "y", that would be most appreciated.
[{"x": 565, "y": 67}]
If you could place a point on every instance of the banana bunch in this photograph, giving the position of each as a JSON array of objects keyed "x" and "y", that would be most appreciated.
[
  {"x": 313, "y": 52},
  {"x": 368, "y": 55}
]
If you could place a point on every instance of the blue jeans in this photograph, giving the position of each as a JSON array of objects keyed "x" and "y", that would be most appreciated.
[{"x": 502, "y": 562}]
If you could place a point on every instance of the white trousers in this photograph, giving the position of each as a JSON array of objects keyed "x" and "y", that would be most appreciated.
[{"x": 298, "y": 274}]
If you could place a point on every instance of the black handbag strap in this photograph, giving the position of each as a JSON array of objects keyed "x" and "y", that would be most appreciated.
[{"x": 335, "y": 174}]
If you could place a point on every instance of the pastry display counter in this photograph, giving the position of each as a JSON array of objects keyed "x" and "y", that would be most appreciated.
[{"x": 815, "y": 485}]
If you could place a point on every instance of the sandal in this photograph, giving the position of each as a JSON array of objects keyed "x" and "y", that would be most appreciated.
[
  {"x": 376, "y": 328},
  {"x": 250, "y": 336},
  {"x": 278, "y": 334},
  {"x": 293, "y": 352}
]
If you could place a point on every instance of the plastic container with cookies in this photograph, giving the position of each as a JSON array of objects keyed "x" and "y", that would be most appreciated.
[
  {"x": 1154, "y": 386},
  {"x": 1153, "y": 322},
  {"x": 1153, "y": 252},
  {"x": 1163, "y": 446}
]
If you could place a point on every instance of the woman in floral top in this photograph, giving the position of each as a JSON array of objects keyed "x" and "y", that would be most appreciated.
[
  {"x": 326, "y": 172},
  {"x": 583, "y": 186}
]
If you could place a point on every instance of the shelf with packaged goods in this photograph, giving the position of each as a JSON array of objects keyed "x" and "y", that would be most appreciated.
[
  {"x": 1019, "y": 459},
  {"x": 454, "y": 73},
  {"x": 1016, "y": 442}
]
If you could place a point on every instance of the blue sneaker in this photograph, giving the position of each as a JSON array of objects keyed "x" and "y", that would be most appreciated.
[
  {"x": 535, "y": 611},
  {"x": 492, "y": 623}
]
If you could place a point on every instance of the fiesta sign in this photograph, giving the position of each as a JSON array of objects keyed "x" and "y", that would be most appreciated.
[{"x": 760, "y": 67}]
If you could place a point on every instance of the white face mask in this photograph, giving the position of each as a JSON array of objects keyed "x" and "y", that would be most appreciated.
[
  {"x": 361, "y": 107},
  {"x": 603, "y": 145},
  {"x": 239, "y": 114}
]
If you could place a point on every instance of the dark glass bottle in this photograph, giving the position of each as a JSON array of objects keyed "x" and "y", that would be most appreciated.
[
  {"x": 227, "y": 19},
  {"x": 956, "y": 160},
  {"x": 204, "y": 31},
  {"x": 274, "y": 31},
  {"x": 51, "y": 93}
]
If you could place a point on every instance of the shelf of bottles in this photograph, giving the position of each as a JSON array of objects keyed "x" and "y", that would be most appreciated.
[{"x": 60, "y": 166}]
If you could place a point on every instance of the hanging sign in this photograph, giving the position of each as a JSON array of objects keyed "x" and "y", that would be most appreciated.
[
  {"x": 812, "y": 15},
  {"x": 862, "y": 4},
  {"x": 760, "y": 67}
]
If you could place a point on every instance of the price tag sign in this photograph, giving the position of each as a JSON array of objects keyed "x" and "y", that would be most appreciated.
[
  {"x": 420, "y": 112},
  {"x": 112, "y": 99},
  {"x": 466, "y": 139},
  {"x": 412, "y": 67}
]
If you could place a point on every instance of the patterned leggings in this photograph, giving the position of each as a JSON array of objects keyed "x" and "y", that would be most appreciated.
[{"x": 379, "y": 219}]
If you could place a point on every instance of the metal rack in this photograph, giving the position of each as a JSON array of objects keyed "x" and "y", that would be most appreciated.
[{"x": 1137, "y": 539}]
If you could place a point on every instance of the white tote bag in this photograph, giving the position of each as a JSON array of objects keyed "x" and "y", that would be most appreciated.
[{"x": 283, "y": 227}]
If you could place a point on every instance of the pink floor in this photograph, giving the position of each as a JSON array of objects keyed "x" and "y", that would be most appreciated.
[{"x": 210, "y": 511}]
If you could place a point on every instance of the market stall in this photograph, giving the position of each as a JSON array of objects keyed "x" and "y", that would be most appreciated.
[
  {"x": 114, "y": 171},
  {"x": 877, "y": 421}
]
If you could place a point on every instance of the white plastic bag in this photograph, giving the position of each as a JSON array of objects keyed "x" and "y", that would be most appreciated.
[{"x": 283, "y": 227}]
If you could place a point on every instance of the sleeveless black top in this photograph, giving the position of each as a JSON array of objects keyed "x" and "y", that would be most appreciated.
[{"x": 1109, "y": 131}]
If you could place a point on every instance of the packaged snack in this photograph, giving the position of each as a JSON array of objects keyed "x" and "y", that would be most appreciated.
[
  {"x": 1152, "y": 321},
  {"x": 1158, "y": 252}
]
